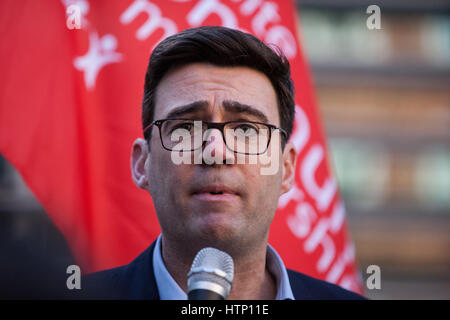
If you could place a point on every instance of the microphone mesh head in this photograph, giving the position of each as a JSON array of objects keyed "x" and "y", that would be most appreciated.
[{"x": 214, "y": 266}]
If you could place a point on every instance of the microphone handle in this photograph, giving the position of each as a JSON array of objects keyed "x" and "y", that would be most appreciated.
[{"x": 203, "y": 294}]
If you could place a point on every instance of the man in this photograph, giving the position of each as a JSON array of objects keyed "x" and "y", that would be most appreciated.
[{"x": 209, "y": 91}]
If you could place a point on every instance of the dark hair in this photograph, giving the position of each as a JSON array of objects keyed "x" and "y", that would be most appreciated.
[{"x": 222, "y": 47}]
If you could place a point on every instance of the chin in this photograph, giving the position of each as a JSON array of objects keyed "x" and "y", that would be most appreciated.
[{"x": 218, "y": 228}]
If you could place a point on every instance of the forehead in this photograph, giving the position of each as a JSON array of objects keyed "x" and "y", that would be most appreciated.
[{"x": 215, "y": 85}]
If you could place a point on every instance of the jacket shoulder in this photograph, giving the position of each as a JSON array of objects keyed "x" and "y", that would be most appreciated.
[
  {"x": 103, "y": 284},
  {"x": 132, "y": 281},
  {"x": 306, "y": 287}
]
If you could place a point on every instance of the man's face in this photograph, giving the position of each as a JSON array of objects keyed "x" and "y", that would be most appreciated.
[{"x": 221, "y": 205}]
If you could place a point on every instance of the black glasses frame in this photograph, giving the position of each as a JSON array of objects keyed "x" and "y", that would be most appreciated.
[{"x": 220, "y": 126}]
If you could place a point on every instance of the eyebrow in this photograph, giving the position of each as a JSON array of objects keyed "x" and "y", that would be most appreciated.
[
  {"x": 237, "y": 107},
  {"x": 188, "y": 108},
  {"x": 230, "y": 106}
]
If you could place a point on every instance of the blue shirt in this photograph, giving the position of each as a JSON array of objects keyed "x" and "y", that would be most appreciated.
[{"x": 169, "y": 290}]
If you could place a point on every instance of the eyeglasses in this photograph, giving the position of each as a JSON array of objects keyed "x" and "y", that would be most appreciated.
[{"x": 240, "y": 136}]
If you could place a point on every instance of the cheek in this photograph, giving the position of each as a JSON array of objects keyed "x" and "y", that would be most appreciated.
[
  {"x": 158, "y": 170},
  {"x": 265, "y": 186},
  {"x": 265, "y": 199},
  {"x": 273, "y": 183},
  {"x": 166, "y": 177}
]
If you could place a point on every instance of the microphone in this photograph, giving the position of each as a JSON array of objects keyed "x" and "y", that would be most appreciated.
[{"x": 211, "y": 275}]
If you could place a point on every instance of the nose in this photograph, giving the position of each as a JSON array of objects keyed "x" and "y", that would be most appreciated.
[{"x": 215, "y": 150}]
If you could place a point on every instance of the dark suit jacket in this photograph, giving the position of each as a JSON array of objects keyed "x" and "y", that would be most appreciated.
[{"x": 137, "y": 281}]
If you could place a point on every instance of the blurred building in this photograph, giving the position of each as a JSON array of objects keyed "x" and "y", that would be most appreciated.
[{"x": 384, "y": 95}]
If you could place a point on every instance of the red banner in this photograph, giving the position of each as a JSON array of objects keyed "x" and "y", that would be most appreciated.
[{"x": 70, "y": 103}]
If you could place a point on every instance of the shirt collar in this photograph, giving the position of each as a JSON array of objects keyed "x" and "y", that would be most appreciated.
[{"x": 169, "y": 290}]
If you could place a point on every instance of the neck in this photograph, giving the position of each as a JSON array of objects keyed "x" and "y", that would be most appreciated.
[{"x": 252, "y": 280}]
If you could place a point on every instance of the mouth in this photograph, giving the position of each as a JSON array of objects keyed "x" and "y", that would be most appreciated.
[{"x": 215, "y": 193}]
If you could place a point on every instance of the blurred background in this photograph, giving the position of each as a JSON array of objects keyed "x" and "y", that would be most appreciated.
[{"x": 384, "y": 97}]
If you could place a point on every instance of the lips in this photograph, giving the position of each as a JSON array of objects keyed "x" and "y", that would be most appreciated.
[
  {"x": 215, "y": 190},
  {"x": 215, "y": 193}
]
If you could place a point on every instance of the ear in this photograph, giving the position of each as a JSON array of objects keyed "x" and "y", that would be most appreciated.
[
  {"x": 139, "y": 156},
  {"x": 289, "y": 162}
]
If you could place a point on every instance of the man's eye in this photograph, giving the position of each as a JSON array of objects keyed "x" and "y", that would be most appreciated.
[
  {"x": 246, "y": 129},
  {"x": 185, "y": 125}
]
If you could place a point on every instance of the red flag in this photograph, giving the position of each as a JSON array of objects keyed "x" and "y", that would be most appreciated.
[{"x": 70, "y": 102}]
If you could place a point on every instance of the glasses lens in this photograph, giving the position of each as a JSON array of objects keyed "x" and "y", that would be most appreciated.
[
  {"x": 182, "y": 135},
  {"x": 241, "y": 137},
  {"x": 247, "y": 137}
]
